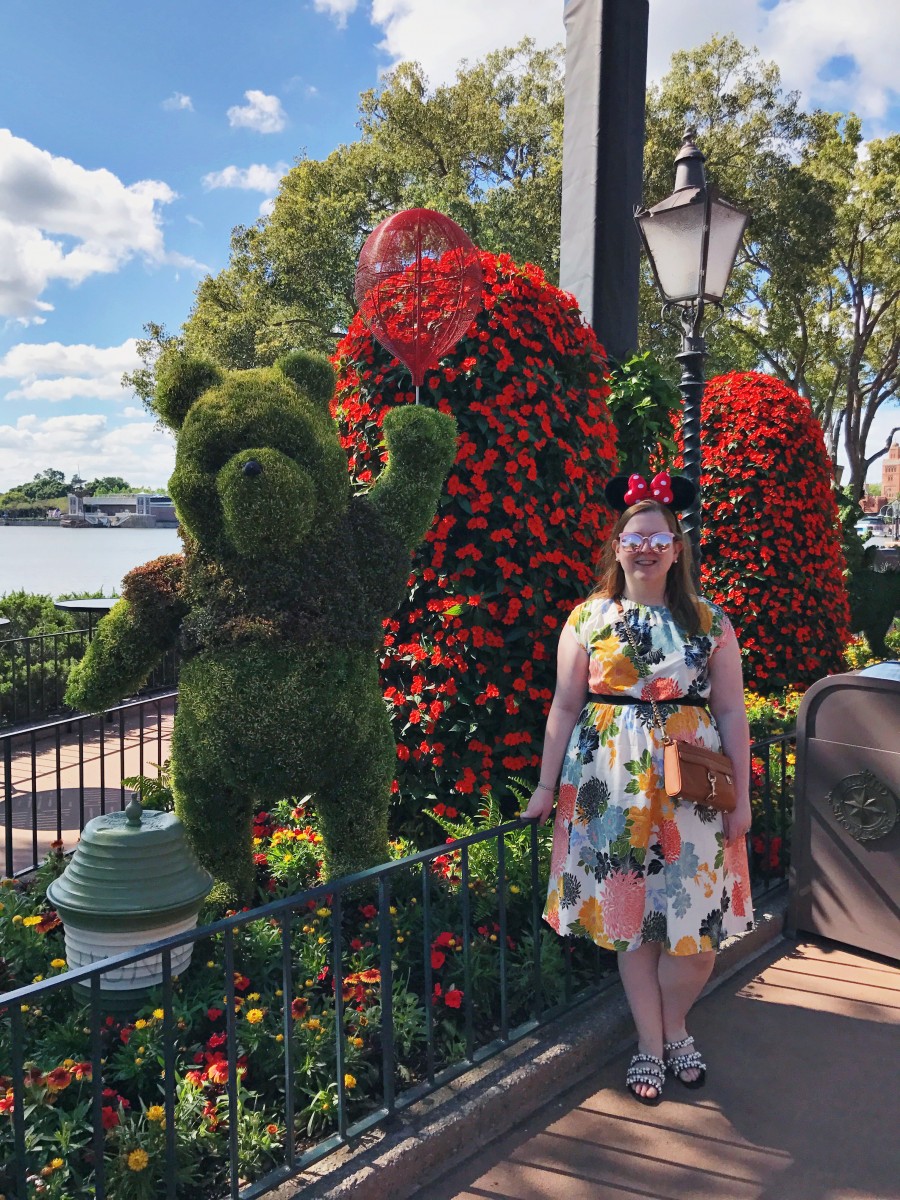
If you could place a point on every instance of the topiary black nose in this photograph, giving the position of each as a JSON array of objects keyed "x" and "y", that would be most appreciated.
[{"x": 252, "y": 467}]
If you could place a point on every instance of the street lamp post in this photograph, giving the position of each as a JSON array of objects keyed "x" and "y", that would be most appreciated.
[{"x": 692, "y": 239}]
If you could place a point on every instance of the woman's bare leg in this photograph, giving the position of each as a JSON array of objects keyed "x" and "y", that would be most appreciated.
[
  {"x": 639, "y": 972},
  {"x": 681, "y": 980}
]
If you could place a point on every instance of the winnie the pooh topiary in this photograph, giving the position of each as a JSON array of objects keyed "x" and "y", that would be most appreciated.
[{"x": 277, "y": 605}]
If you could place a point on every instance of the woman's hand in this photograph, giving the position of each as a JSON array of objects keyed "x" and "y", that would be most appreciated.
[
  {"x": 736, "y": 824},
  {"x": 540, "y": 805}
]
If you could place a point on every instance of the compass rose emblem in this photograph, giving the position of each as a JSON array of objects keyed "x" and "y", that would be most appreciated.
[{"x": 864, "y": 806}]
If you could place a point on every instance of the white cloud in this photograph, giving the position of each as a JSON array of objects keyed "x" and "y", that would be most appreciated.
[
  {"x": 261, "y": 112},
  {"x": 256, "y": 178},
  {"x": 439, "y": 35},
  {"x": 54, "y": 372},
  {"x": 802, "y": 36},
  {"x": 339, "y": 9},
  {"x": 178, "y": 102},
  {"x": 88, "y": 444},
  {"x": 60, "y": 221},
  {"x": 267, "y": 207}
]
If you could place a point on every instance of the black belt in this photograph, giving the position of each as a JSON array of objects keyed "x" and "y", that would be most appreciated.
[{"x": 693, "y": 701}]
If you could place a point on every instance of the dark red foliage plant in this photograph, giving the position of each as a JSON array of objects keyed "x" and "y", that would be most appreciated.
[
  {"x": 469, "y": 660},
  {"x": 771, "y": 532}
]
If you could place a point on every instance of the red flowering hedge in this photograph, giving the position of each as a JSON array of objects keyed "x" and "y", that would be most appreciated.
[
  {"x": 469, "y": 662},
  {"x": 771, "y": 532}
]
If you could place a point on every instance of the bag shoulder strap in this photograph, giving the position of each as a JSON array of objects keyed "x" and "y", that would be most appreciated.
[{"x": 657, "y": 717}]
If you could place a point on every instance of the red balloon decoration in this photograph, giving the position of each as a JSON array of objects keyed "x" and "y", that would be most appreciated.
[{"x": 418, "y": 286}]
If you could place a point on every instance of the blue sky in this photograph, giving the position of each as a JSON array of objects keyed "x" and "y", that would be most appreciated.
[{"x": 133, "y": 138}]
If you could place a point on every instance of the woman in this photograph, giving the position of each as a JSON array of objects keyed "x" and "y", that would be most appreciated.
[{"x": 660, "y": 881}]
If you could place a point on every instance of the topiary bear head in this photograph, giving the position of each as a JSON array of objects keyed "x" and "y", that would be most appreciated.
[{"x": 259, "y": 469}]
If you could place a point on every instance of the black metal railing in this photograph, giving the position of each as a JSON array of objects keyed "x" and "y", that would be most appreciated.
[
  {"x": 772, "y": 798},
  {"x": 54, "y": 777},
  {"x": 264, "y": 1085},
  {"x": 34, "y": 672}
]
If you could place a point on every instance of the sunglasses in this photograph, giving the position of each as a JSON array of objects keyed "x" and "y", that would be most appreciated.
[{"x": 657, "y": 542}]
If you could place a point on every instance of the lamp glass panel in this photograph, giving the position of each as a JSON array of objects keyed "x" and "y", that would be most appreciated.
[
  {"x": 675, "y": 242},
  {"x": 726, "y": 227}
]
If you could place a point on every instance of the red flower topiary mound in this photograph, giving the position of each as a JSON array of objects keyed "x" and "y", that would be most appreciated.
[
  {"x": 469, "y": 665},
  {"x": 771, "y": 532}
]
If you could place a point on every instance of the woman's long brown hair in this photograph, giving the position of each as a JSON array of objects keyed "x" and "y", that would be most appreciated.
[{"x": 681, "y": 597}]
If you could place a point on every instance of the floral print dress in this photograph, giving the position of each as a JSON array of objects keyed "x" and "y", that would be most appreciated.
[{"x": 630, "y": 865}]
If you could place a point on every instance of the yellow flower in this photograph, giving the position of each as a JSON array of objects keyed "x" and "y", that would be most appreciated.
[
  {"x": 313, "y": 1023},
  {"x": 138, "y": 1061},
  {"x": 156, "y": 1112},
  {"x": 590, "y": 915},
  {"x": 140, "y": 1023},
  {"x": 400, "y": 938},
  {"x": 392, "y": 910},
  {"x": 253, "y": 996},
  {"x": 349, "y": 1081},
  {"x": 137, "y": 1160},
  {"x": 30, "y": 921},
  {"x": 514, "y": 888},
  {"x": 685, "y": 945},
  {"x": 58, "y": 963},
  {"x": 56, "y": 1163},
  {"x": 357, "y": 1042},
  {"x": 254, "y": 1015},
  {"x": 323, "y": 912},
  {"x": 158, "y": 1014},
  {"x": 617, "y": 671},
  {"x": 279, "y": 1037},
  {"x": 640, "y": 820},
  {"x": 37, "y": 979}
]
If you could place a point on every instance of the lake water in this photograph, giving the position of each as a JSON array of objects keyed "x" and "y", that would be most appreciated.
[{"x": 52, "y": 561}]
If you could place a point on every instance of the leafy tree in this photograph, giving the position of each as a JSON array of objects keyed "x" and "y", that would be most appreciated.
[
  {"x": 46, "y": 485},
  {"x": 645, "y": 407},
  {"x": 108, "y": 485},
  {"x": 486, "y": 150},
  {"x": 815, "y": 298}
]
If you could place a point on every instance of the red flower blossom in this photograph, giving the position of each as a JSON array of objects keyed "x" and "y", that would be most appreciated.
[
  {"x": 109, "y": 1116},
  {"x": 670, "y": 840},
  {"x": 623, "y": 905},
  {"x": 453, "y": 998}
]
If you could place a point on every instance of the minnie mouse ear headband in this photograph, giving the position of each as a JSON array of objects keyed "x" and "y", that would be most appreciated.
[{"x": 675, "y": 491}]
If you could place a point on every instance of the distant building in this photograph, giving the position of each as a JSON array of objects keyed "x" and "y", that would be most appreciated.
[
  {"x": 890, "y": 474},
  {"x": 122, "y": 509}
]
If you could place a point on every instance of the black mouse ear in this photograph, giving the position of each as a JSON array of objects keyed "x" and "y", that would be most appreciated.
[
  {"x": 683, "y": 493},
  {"x": 615, "y": 492}
]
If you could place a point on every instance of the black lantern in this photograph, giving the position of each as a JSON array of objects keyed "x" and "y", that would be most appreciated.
[{"x": 692, "y": 240}]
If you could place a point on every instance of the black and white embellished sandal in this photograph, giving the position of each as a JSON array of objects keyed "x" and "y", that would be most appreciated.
[
  {"x": 689, "y": 1061},
  {"x": 646, "y": 1068}
]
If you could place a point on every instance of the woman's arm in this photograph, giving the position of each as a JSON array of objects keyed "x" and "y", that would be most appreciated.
[
  {"x": 726, "y": 703},
  {"x": 568, "y": 701}
]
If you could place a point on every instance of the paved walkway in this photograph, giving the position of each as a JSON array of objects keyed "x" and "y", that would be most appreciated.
[
  {"x": 50, "y": 787},
  {"x": 801, "y": 1104}
]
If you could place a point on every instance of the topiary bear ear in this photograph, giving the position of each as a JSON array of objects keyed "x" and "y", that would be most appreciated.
[
  {"x": 180, "y": 381},
  {"x": 312, "y": 374}
]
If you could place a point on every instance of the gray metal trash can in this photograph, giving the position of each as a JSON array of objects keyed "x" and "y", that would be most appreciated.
[{"x": 845, "y": 850}]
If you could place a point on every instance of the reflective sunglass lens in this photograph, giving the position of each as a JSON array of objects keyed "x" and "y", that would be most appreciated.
[{"x": 658, "y": 543}]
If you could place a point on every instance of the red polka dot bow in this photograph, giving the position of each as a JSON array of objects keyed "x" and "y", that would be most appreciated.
[{"x": 659, "y": 488}]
